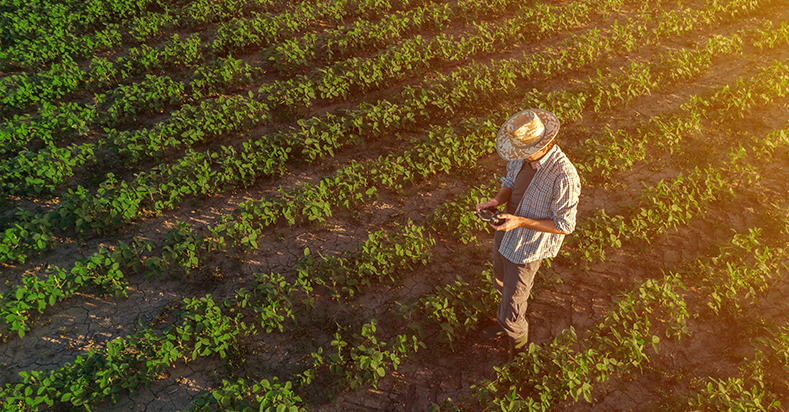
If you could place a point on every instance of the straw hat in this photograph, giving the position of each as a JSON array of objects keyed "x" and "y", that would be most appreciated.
[{"x": 525, "y": 133}]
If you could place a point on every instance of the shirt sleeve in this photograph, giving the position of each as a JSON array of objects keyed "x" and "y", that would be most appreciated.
[
  {"x": 566, "y": 191},
  {"x": 512, "y": 172}
]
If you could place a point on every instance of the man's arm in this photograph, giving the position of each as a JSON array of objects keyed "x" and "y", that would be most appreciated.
[
  {"x": 501, "y": 198},
  {"x": 541, "y": 225},
  {"x": 506, "y": 186},
  {"x": 564, "y": 207}
]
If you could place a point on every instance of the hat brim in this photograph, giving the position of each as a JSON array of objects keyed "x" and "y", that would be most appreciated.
[{"x": 504, "y": 144}]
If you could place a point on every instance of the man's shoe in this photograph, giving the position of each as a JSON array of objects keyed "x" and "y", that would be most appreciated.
[
  {"x": 518, "y": 345},
  {"x": 492, "y": 332}
]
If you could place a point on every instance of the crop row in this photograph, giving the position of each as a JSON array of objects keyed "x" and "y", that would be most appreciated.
[
  {"x": 624, "y": 333},
  {"x": 98, "y": 223},
  {"x": 65, "y": 77},
  {"x": 304, "y": 90},
  {"x": 56, "y": 22},
  {"x": 126, "y": 363},
  {"x": 334, "y": 83},
  {"x": 43, "y": 171},
  {"x": 206, "y": 330},
  {"x": 310, "y": 50},
  {"x": 569, "y": 365},
  {"x": 54, "y": 123},
  {"x": 263, "y": 30},
  {"x": 659, "y": 208},
  {"x": 771, "y": 354},
  {"x": 194, "y": 14},
  {"x": 734, "y": 278},
  {"x": 730, "y": 281},
  {"x": 40, "y": 51}
]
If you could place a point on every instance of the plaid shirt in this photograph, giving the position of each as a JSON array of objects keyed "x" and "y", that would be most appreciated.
[{"x": 552, "y": 194}]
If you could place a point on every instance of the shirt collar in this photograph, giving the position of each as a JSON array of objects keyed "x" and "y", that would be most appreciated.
[{"x": 545, "y": 159}]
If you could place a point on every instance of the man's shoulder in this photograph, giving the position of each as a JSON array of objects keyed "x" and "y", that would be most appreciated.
[{"x": 560, "y": 163}]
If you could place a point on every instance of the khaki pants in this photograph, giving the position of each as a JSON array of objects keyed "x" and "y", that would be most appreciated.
[{"x": 514, "y": 283}]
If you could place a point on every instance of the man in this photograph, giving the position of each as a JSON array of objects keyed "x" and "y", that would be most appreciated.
[{"x": 541, "y": 191}]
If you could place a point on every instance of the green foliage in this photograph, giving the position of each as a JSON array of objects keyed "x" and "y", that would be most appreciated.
[
  {"x": 221, "y": 75},
  {"x": 458, "y": 308},
  {"x": 233, "y": 396},
  {"x": 182, "y": 247},
  {"x": 659, "y": 207},
  {"x": 568, "y": 367},
  {"x": 743, "y": 268},
  {"x": 363, "y": 360},
  {"x": 457, "y": 218},
  {"x": 126, "y": 363},
  {"x": 734, "y": 394},
  {"x": 271, "y": 298},
  {"x": 383, "y": 257},
  {"x": 205, "y": 330}
]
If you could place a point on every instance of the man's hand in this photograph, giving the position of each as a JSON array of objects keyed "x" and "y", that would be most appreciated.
[
  {"x": 490, "y": 203},
  {"x": 510, "y": 222}
]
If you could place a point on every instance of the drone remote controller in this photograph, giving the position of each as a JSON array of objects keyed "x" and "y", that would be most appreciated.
[{"x": 491, "y": 216}]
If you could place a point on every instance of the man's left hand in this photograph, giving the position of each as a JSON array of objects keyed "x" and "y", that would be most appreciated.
[{"x": 510, "y": 222}]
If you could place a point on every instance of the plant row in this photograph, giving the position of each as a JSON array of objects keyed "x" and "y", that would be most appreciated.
[
  {"x": 142, "y": 194},
  {"x": 730, "y": 282},
  {"x": 206, "y": 330},
  {"x": 194, "y": 14},
  {"x": 37, "y": 52},
  {"x": 334, "y": 83},
  {"x": 370, "y": 358},
  {"x": 567, "y": 367},
  {"x": 299, "y": 54},
  {"x": 25, "y": 135},
  {"x": 262, "y": 30},
  {"x": 66, "y": 77},
  {"x": 306, "y": 91},
  {"x": 53, "y": 22},
  {"x": 255, "y": 210},
  {"x": 36, "y": 173}
]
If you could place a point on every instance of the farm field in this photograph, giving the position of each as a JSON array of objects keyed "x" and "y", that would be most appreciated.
[{"x": 267, "y": 205}]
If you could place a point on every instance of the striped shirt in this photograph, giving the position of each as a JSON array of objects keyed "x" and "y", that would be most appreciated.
[{"x": 552, "y": 194}]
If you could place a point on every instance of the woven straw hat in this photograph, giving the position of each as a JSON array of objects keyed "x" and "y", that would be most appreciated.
[{"x": 525, "y": 133}]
